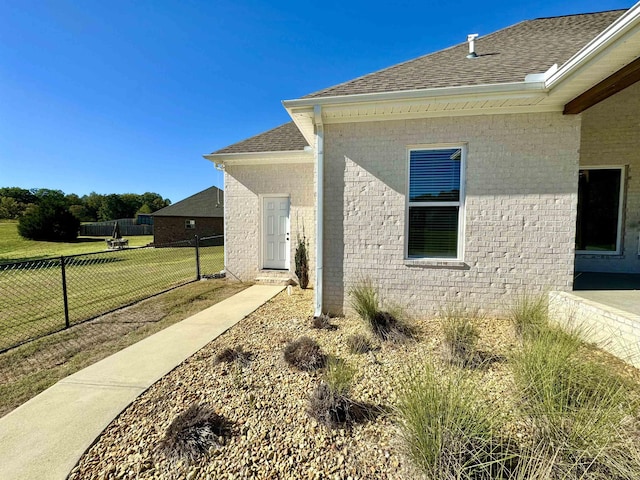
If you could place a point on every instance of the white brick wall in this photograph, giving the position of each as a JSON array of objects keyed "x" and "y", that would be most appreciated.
[
  {"x": 520, "y": 209},
  {"x": 616, "y": 331},
  {"x": 243, "y": 187},
  {"x": 610, "y": 136}
]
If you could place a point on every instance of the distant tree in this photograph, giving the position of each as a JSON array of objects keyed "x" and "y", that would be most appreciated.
[
  {"x": 20, "y": 195},
  {"x": 48, "y": 220},
  {"x": 144, "y": 209},
  {"x": 132, "y": 202},
  {"x": 10, "y": 208},
  {"x": 81, "y": 213},
  {"x": 92, "y": 203},
  {"x": 155, "y": 201},
  {"x": 112, "y": 208},
  {"x": 49, "y": 197},
  {"x": 72, "y": 199}
]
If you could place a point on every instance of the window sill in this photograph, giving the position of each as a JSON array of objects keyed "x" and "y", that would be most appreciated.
[
  {"x": 587, "y": 254},
  {"x": 435, "y": 263}
]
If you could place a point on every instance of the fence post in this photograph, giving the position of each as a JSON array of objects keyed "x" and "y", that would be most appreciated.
[
  {"x": 64, "y": 292},
  {"x": 197, "y": 257}
]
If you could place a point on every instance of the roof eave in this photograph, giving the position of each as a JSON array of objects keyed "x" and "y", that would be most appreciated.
[
  {"x": 420, "y": 94},
  {"x": 261, "y": 158},
  {"x": 610, "y": 35}
]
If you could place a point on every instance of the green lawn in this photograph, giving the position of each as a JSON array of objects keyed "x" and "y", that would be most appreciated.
[
  {"x": 31, "y": 299},
  {"x": 29, "y": 369},
  {"x": 14, "y": 248}
]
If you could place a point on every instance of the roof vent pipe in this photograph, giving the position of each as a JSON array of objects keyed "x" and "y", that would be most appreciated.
[{"x": 471, "y": 39}]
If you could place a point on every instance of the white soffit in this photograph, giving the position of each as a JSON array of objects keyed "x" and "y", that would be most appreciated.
[{"x": 262, "y": 158}]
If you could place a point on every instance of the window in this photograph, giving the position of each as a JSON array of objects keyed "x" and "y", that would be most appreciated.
[
  {"x": 599, "y": 222},
  {"x": 189, "y": 224},
  {"x": 435, "y": 203}
]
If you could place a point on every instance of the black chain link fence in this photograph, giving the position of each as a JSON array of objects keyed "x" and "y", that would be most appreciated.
[{"x": 41, "y": 297}]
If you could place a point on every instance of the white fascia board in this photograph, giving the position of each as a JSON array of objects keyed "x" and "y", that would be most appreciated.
[
  {"x": 610, "y": 35},
  {"x": 262, "y": 158},
  {"x": 471, "y": 91}
]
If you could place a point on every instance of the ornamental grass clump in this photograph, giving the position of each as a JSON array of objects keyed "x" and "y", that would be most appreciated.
[
  {"x": 235, "y": 354},
  {"x": 330, "y": 403},
  {"x": 447, "y": 431},
  {"x": 358, "y": 343},
  {"x": 304, "y": 354},
  {"x": 192, "y": 433},
  {"x": 384, "y": 324},
  {"x": 529, "y": 314},
  {"x": 578, "y": 408},
  {"x": 460, "y": 337},
  {"x": 322, "y": 322}
]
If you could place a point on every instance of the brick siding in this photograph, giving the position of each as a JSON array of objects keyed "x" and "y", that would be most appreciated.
[
  {"x": 521, "y": 184},
  {"x": 172, "y": 229},
  {"x": 244, "y": 186}
]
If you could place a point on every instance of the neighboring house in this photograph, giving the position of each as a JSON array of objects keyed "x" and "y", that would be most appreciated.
[
  {"x": 201, "y": 214},
  {"x": 454, "y": 176}
]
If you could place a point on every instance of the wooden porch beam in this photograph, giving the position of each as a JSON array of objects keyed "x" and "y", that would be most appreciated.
[{"x": 623, "y": 78}]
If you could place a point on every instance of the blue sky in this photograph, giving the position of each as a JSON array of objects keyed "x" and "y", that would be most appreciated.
[{"x": 125, "y": 96}]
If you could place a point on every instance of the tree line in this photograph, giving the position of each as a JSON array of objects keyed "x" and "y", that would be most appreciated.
[{"x": 45, "y": 214}]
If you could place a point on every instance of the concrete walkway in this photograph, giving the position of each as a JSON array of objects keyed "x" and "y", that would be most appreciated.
[{"x": 45, "y": 437}]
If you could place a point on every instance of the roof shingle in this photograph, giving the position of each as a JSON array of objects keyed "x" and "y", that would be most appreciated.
[
  {"x": 284, "y": 138},
  {"x": 505, "y": 56},
  {"x": 207, "y": 203}
]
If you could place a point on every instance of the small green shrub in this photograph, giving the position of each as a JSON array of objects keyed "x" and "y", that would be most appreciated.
[
  {"x": 460, "y": 337},
  {"x": 529, "y": 314},
  {"x": 358, "y": 343},
  {"x": 193, "y": 432},
  {"x": 304, "y": 354},
  {"x": 448, "y": 432},
  {"x": 302, "y": 262},
  {"x": 48, "y": 221}
]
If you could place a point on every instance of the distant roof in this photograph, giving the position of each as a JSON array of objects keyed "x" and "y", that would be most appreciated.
[
  {"x": 284, "y": 138},
  {"x": 505, "y": 56},
  {"x": 207, "y": 203}
]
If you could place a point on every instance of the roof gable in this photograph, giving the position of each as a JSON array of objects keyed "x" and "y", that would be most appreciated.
[
  {"x": 207, "y": 203},
  {"x": 505, "y": 56}
]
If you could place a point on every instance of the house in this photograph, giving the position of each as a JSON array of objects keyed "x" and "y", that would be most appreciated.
[
  {"x": 201, "y": 214},
  {"x": 499, "y": 166}
]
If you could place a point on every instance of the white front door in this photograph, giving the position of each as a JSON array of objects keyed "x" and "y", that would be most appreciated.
[{"x": 275, "y": 225}]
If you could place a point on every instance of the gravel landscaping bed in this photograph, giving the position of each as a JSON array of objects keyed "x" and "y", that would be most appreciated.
[{"x": 265, "y": 401}]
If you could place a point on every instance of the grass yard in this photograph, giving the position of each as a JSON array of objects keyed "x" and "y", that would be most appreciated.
[
  {"x": 31, "y": 304},
  {"x": 14, "y": 248},
  {"x": 29, "y": 369}
]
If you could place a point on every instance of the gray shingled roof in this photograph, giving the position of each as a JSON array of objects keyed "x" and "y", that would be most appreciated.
[
  {"x": 284, "y": 138},
  {"x": 206, "y": 203},
  {"x": 507, "y": 55}
]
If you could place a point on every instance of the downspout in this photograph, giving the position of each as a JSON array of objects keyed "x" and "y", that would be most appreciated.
[
  {"x": 317, "y": 114},
  {"x": 220, "y": 168}
]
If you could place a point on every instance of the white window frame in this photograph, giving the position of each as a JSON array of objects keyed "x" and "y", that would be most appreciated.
[
  {"x": 460, "y": 203},
  {"x": 623, "y": 178},
  {"x": 190, "y": 224}
]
